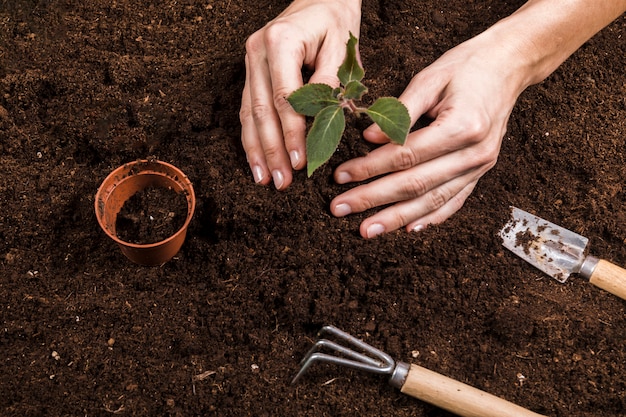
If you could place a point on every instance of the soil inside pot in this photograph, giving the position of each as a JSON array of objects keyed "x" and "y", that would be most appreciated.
[{"x": 151, "y": 215}]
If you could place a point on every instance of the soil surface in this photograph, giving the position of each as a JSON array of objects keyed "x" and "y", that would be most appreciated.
[{"x": 86, "y": 86}]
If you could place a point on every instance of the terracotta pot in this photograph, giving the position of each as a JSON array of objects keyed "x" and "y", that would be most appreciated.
[{"x": 121, "y": 185}]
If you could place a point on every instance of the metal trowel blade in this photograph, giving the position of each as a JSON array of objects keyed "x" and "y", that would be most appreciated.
[{"x": 551, "y": 248}]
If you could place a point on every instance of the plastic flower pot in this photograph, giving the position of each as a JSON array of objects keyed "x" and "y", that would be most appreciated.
[{"x": 126, "y": 181}]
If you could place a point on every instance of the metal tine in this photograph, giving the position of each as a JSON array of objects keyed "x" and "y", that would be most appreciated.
[
  {"x": 322, "y": 343},
  {"x": 347, "y": 337},
  {"x": 379, "y": 363}
]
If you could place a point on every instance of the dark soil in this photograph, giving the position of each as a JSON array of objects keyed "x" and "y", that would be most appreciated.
[
  {"x": 220, "y": 329},
  {"x": 151, "y": 215}
]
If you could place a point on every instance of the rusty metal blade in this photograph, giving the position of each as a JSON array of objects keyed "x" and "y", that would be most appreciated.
[{"x": 551, "y": 248}]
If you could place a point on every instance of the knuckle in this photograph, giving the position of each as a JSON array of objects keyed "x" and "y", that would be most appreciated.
[
  {"x": 362, "y": 203},
  {"x": 490, "y": 157},
  {"x": 453, "y": 205},
  {"x": 245, "y": 114},
  {"x": 280, "y": 100},
  {"x": 360, "y": 167},
  {"x": 272, "y": 36},
  {"x": 493, "y": 151},
  {"x": 275, "y": 33},
  {"x": 273, "y": 151},
  {"x": 415, "y": 186},
  {"x": 364, "y": 171},
  {"x": 401, "y": 219},
  {"x": 407, "y": 158},
  {"x": 437, "y": 198},
  {"x": 475, "y": 128},
  {"x": 255, "y": 43},
  {"x": 293, "y": 133},
  {"x": 260, "y": 110},
  {"x": 482, "y": 156}
]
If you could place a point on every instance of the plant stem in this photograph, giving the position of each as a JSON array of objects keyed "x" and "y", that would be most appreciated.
[{"x": 350, "y": 105}]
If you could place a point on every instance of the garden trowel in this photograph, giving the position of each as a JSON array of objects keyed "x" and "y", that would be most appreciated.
[{"x": 559, "y": 252}]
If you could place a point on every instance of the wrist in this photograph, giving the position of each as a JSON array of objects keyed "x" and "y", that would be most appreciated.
[{"x": 542, "y": 34}]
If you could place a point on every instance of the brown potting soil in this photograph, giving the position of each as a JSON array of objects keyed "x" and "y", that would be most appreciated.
[
  {"x": 151, "y": 215},
  {"x": 221, "y": 328}
]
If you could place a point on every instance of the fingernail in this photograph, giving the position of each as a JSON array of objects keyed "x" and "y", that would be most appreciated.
[
  {"x": 343, "y": 178},
  {"x": 342, "y": 209},
  {"x": 418, "y": 228},
  {"x": 279, "y": 180},
  {"x": 375, "y": 230},
  {"x": 295, "y": 158},
  {"x": 257, "y": 173}
]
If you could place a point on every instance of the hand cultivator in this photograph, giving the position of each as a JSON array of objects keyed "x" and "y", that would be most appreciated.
[{"x": 412, "y": 380}]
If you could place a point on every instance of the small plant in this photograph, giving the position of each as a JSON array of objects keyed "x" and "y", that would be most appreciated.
[{"x": 327, "y": 104}]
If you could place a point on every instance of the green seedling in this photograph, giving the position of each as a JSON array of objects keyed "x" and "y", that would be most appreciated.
[{"x": 327, "y": 105}]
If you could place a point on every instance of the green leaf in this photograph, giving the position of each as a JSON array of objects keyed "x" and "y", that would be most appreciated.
[
  {"x": 324, "y": 136},
  {"x": 392, "y": 117},
  {"x": 311, "y": 98},
  {"x": 350, "y": 70},
  {"x": 354, "y": 90}
]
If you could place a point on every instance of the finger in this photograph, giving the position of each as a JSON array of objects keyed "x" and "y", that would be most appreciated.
[
  {"x": 446, "y": 211},
  {"x": 419, "y": 210},
  {"x": 445, "y": 135},
  {"x": 265, "y": 116},
  {"x": 414, "y": 183},
  {"x": 249, "y": 138},
  {"x": 285, "y": 60},
  {"x": 420, "y": 96},
  {"x": 329, "y": 59}
]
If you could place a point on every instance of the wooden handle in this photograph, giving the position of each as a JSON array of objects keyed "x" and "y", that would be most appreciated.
[
  {"x": 457, "y": 397},
  {"x": 609, "y": 277}
]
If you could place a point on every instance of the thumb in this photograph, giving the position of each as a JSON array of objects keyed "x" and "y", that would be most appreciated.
[
  {"x": 373, "y": 134},
  {"x": 421, "y": 97}
]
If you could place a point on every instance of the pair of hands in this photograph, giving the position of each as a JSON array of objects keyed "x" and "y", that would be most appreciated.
[{"x": 469, "y": 93}]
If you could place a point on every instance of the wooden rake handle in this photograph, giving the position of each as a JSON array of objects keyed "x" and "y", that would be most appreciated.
[{"x": 457, "y": 397}]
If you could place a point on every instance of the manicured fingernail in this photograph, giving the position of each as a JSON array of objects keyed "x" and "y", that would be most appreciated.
[
  {"x": 375, "y": 230},
  {"x": 342, "y": 209},
  {"x": 418, "y": 228},
  {"x": 295, "y": 158},
  {"x": 343, "y": 178},
  {"x": 279, "y": 180},
  {"x": 257, "y": 173}
]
